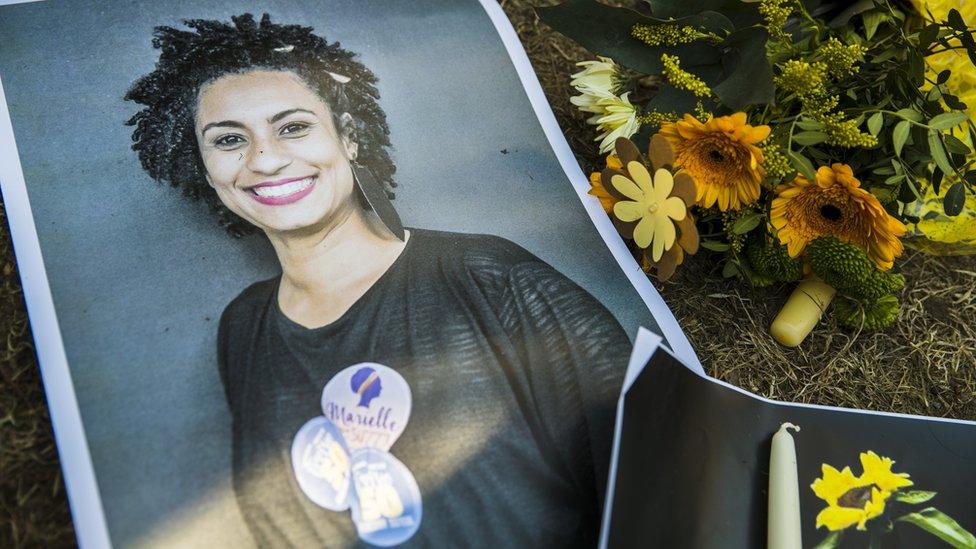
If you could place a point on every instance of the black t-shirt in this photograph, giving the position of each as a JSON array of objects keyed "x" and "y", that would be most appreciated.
[{"x": 514, "y": 372}]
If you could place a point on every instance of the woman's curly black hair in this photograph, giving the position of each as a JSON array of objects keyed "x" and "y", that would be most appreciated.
[{"x": 164, "y": 133}]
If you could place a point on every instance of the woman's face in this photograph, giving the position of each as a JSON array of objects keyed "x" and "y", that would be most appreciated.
[{"x": 271, "y": 151}]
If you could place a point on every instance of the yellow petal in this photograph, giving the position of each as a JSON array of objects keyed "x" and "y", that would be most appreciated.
[
  {"x": 628, "y": 211},
  {"x": 837, "y": 518},
  {"x": 641, "y": 177},
  {"x": 664, "y": 236},
  {"x": 674, "y": 208},
  {"x": 626, "y": 187},
  {"x": 663, "y": 183},
  {"x": 644, "y": 232}
]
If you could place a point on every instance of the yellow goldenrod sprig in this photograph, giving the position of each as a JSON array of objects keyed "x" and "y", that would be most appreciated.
[
  {"x": 655, "y": 118},
  {"x": 808, "y": 81},
  {"x": 776, "y": 163},
  {"x": 669, "y": 34},
  {"x": 682, "y": 79},
  {"x": 775, "y": 13},
  {"x": 839, "y": 59}
]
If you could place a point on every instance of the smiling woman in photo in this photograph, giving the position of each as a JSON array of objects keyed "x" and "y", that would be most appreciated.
[{"x": 512, "y": 369}]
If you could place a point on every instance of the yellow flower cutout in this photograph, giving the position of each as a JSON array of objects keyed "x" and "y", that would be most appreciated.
[
  {"x": 853, "y": 501},
  {"x": 877, "y": 470},
  {"x": 651, "y": 203}
]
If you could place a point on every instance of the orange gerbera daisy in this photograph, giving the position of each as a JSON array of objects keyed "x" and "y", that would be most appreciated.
[
  {"x": 834, "y": 204},
  {"x": 721, "y": 154}
]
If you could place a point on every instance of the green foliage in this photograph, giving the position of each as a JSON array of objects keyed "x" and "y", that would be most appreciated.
[
  {"x": 871, "y": 316},
  {"x": 771, "y": 260},
  {"x": 941, "y": 526},
  {"x": 844, "y": 81},
  {"x": 839, "y": 264},
  {"x": 849, "y": 270},
  {"x": 731, "y": 61}
]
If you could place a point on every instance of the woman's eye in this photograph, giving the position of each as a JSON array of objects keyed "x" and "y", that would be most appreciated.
[
  {"x": 227, "y": 142},
  {"x": 294, "y": 128}
]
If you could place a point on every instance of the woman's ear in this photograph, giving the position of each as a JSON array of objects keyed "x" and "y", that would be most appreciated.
[
  {"x": 209, "y": 181},
  {"x": 347, "y": 134}
]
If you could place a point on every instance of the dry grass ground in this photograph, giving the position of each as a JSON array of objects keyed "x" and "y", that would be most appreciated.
[{"x": 925, "y": 364}]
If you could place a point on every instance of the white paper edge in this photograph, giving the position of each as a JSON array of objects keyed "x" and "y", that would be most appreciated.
[
  {"x": 673, "y": 333},
  {"x": 87, "y": 513},
  {"x": 645, "y": 346},
  {"x": 69, "y": 433}
]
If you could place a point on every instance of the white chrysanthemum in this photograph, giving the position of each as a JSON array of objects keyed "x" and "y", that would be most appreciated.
[
  {"x": 597, "y": 81},
  {"x": 618, "y": 119}
]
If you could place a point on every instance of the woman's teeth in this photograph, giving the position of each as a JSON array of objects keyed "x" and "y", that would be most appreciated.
[{"x": 278, "y": 191}]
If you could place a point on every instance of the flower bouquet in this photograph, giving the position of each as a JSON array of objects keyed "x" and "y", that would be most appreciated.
[{"x": 820, "y": 137}]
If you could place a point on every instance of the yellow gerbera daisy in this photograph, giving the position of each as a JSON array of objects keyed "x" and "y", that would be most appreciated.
[
  {"x": 722, "y": 156},
  {"x": 834, "y": 204}
]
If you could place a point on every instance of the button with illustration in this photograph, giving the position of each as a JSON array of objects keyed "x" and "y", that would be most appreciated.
[
  {"x": 386, "y": 503},
  {"x": 370, "y": 403},
  {"x": 320, "y": 460}
]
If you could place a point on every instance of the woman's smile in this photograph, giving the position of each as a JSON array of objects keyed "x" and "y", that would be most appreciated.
[{"x": 282, "y": 191}]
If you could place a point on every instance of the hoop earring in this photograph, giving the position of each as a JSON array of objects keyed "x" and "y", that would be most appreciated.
[{"x": 374, "y": 198}]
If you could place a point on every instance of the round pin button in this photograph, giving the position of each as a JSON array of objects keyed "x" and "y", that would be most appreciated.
[
  {"x": 370, "y": 403},
  {"x": 386, "y": 503},
  {"x": 320, "y": 460}
]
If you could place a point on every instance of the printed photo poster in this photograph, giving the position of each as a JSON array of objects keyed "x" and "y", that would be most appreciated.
[
  {"x": 697, "y": 476},
  {"x": 313, "y": 271}
]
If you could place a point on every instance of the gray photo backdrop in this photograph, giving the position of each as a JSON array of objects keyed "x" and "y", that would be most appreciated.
[{"x": 140, "y": 275}]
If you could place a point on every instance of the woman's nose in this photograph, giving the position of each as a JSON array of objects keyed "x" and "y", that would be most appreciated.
[{"x": 267, "y": 158}]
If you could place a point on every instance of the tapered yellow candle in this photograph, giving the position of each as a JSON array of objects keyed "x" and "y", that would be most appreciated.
[
  {"x": 783, "y": 529},
  {"x": 802, "y": 311}
]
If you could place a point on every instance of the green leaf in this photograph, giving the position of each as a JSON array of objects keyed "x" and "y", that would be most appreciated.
[
  {"x": 750, "y": 80},
  {"x": 844, "y": 17},
  {"x": 714, "y": 246},
  {"x": 730, "y": 269},
  {"x": 802, "y": 165},
  {"x": 809, "y": 138},
  {"x": 871, "y": 21},
  {"x": 875, "y": 123},
  {"x": 742, "y": 14},
  {"x": 965, "y": 37},
  {"x": 830, "y": 541},
  {"x": 956, "y": 21},
  {"x": 948, "y": 120},
  {"x": 900, "y": 135},
  {"x": 809, "y": 125},
  {"x": 941, "y": 526},
  {"x": 938, "y": 153},
  {"x": 746, "y": 223},
  {"x": 605, "y": 30},
  {"x": 895, "y": 179},
  {"x": 928, "y": 35},
  {"x": 954, "y": 200},
  {"x": 910, "y": 114},
  {"x": 914, "y": 497},
  {"x": 955, "y": 145},
  {"x": 943, "y": 77},
  {"x": 671, "y": 99}
]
